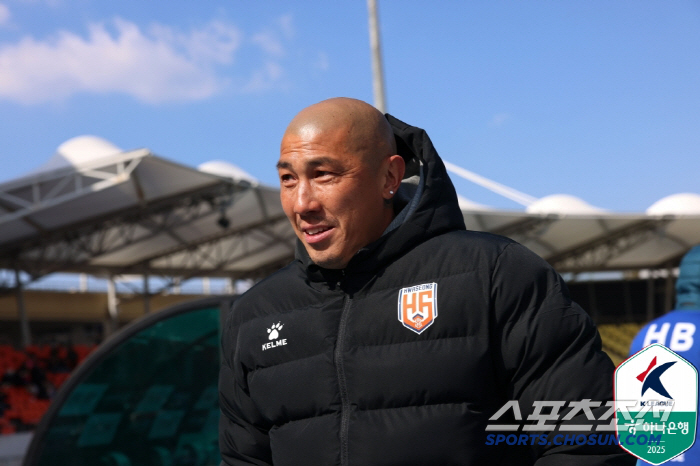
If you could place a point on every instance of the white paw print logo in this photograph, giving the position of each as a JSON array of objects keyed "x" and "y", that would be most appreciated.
[{"x": 274, "y": 331}]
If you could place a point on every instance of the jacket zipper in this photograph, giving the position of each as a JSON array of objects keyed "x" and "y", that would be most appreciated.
[{"x": 342, "y": 383}]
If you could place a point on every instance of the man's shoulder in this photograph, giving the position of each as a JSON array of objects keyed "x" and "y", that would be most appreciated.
[
  {"x": 482, "y": 249},
  {"x": 269, "y": 292},
  {"x": 469, "y": 240}
]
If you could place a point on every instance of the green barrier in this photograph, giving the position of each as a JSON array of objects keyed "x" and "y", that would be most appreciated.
[{"x": 147, "y": 396}]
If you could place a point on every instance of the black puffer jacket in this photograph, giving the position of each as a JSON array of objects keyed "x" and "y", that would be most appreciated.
[{"x": 320, "y": 370}]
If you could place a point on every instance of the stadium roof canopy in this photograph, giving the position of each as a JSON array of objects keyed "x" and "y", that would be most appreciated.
[
  {"x": 575, "y": 236},
  {"x": 581, "y": 242},
  {"x": 96, "y": 209}
]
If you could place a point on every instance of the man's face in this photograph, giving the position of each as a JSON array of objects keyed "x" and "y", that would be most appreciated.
[{"x": 332, "y": 197}]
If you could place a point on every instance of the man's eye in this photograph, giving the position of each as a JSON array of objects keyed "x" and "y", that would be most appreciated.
[
  {"x": 286, "y": 178},
  {"x": 323, "y": 174}
]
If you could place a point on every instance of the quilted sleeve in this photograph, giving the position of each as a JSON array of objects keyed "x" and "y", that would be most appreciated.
[
  {"x": 243, "y": 437},
  {"x": 550, "y": 351}
]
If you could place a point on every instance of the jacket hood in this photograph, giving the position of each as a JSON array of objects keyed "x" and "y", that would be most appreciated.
[
  {"x": 437, "y": 211},
  {"x": 688, "y": 283}
]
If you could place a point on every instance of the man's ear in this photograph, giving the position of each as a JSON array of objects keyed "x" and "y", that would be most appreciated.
[{"x": 394, "y": 174}]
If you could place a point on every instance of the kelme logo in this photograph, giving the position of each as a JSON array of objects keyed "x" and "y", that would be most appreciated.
[
  {"x": 274, "y": 331},
  {"x": 273, "y": 334},
  {"x": 659, "y": 390}
]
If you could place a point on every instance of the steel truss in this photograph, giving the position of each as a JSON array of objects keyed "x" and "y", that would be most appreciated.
[
  {"x": 72, "y": 249},
  {"x": 19, "y": 200},
  {"x": 593, "y": 255}
]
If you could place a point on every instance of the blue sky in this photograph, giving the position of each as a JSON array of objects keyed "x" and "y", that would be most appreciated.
[{"x": 598, "y": 99}]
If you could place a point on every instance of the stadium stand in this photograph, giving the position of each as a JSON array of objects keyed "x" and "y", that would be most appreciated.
[
  {"x": 23, "y": 402},
  {"x": 617, "y": 339},
  {"x": 29, "y": 380}
]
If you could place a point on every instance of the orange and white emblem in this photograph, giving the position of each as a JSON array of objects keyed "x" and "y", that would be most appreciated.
[{"x": 418, "y": 306}]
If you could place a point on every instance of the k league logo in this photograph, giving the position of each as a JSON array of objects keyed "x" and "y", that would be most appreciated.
[
  {"x": 664, "y": 388},
  {"x": 652, "y": 378}
]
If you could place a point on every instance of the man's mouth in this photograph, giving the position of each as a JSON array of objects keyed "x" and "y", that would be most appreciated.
[
  {"x": 316, "y": 234},
  {"x": 316, "y": 231}
]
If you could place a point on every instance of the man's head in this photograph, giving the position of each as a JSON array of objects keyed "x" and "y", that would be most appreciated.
[{"x": 338, "y": 172}]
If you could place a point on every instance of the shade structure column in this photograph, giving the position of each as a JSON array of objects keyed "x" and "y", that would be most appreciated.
[
  {"x": 22, "y": 312},
  {"x": 112, "y": 306},
  {"x": 670, "y": 290},
  {"x": 651, "y": 296},
  {"x": 146, "y": 295}
]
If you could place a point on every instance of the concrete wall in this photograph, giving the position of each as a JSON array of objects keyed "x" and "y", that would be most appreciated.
[
  {"x": 79, "y": 318},
  {"x": 82, "y": 307}
]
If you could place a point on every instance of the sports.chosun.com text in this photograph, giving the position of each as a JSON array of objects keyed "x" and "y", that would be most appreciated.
[{"x": 573, "y": 439}]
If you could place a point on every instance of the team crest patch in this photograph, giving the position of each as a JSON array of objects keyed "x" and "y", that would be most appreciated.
[{"x": 418, "y": 306}]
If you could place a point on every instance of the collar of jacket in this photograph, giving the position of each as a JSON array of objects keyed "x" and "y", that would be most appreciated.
[{"x": 437, "y": 211}]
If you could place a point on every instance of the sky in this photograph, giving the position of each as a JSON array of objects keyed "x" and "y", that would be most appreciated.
[{"x": 597, "y": 99}]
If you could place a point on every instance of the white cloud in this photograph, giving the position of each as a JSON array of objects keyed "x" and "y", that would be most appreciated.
[
  {"x": 50, "y": 3},
  {"x": 272, "y": 42},
  {"x": 4, "y": 14},
  {"x": 264, "y": 78},
  {"x": 269, "y": 43},
  {"x": 322, "y": 62},
  {"x": 155, "y": 66},
  {"x": 286, "y": 24},
  {"x": 499, "y": 119}
]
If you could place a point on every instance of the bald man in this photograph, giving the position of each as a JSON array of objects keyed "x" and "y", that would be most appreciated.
[
  {"x": 338, "y": 173},
  {"x": 396, "y": 336}
]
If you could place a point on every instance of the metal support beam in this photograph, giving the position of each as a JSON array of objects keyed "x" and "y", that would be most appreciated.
[
  {"x": 498, "y": 188},
  {"x": 594, "y": 254},
  {"x": 73, "y": 249},
  {"x": 526, "y": 228},
  {"x": 62, "y": 186},
  {"x": 22, "y": 312}
]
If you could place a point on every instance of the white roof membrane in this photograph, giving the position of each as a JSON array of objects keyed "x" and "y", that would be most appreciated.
[
  {"x": 98, "y": 209},
  {"x": 676, "y": 204}
]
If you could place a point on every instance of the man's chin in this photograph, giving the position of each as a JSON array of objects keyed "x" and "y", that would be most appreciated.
[{"x": 326, "y": 261}]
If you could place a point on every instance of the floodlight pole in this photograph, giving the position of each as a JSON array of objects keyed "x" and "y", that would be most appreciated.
[{"x": 377, "y": 68}]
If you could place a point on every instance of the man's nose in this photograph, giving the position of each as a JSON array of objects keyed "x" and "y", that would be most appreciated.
[{"x": 306, "y": 200}]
